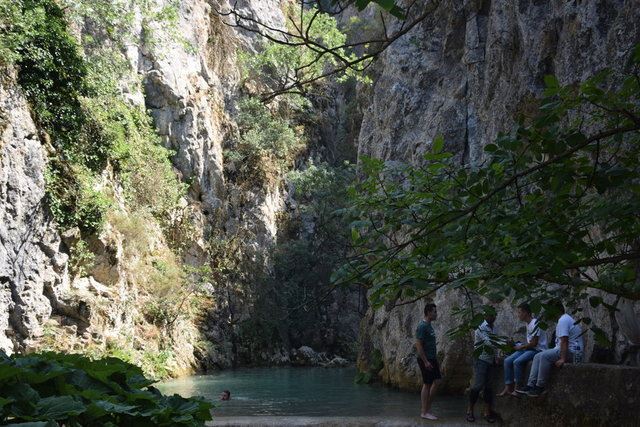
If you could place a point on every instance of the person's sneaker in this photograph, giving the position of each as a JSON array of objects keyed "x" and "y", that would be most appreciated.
[
  {"x": 524, "y": 390},
  {"x": 520, "y": 389},
  {"x": 536, "y": 391},
  {"x": 429, "y": 416}
]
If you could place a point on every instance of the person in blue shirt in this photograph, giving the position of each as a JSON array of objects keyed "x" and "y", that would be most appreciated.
[{"x": 427, "y": 359}]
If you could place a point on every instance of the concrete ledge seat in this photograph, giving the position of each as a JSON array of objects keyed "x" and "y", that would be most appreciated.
[
  {"x": 584, "y": 394},
  {"x": 298, "y": 421}
]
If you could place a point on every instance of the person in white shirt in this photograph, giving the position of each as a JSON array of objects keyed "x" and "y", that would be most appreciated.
[
  {"x": 516, "y": 363},
  {"x": 568, "y": 343}
]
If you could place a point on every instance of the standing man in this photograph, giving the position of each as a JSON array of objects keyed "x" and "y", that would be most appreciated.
[
  {"x": 568, "y": 344},
  {"x": 427, "y": 359},
  {"x": 483, "y": 366},
  {"x": 516, "y": 363}
]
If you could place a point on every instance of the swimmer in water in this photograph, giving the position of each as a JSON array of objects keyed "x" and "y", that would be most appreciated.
[{"x": 225, "y": 395}]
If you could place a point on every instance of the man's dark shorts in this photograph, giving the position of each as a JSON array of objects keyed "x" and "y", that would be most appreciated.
[{"x": 429, "y": 375}]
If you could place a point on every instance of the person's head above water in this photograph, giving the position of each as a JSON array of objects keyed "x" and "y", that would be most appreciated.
[
  {"x": 225, "y": 395},
  {"x": 430, "y": 312}
]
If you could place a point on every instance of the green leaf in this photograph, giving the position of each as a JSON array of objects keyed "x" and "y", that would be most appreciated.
[
  {"x": 437, "y": 144},
  {"x": 34, "y": 424},
  {"x": 601, "y": 337},
  {"x": 8, "y": 371},
  {"x": 490, "y": 148},
  {"x": 361, "y": 4},
  {"x": 551, "y": 81},
  {"x": 106, "y": 385},
  {"x": 59, "y": 407}
]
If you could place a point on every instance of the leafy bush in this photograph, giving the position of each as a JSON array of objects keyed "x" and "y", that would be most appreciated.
[
  {"x": 143, "y": 166},
  {"x": 169, "y": 289},
  {"x": 376, "y": 363},
  {"x": 72, "y": 197},
  {"x": 81, "y": 259},
  {"x": 52, "y": 389},
  {"x": 52, "y": 74},
  {"x": 267, "y": 143},
  {"x": 79, "y": 103}
]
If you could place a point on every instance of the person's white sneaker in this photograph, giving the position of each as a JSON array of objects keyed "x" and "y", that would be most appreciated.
[{"x": 429, "y": 416}]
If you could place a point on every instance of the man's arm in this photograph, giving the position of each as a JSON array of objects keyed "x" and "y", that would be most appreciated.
[
  {"x": 422, "y": 354},
  {"x": 564, "y": 347},
  {"x": 532, "y": 344}
]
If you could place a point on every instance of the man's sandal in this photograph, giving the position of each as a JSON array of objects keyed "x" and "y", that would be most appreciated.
[
  {"x": 491, "y": 418},
  {"x": 470, "y": 417}
]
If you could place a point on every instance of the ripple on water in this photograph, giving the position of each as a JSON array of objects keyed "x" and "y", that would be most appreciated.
[{"x": 305, "y": 392}]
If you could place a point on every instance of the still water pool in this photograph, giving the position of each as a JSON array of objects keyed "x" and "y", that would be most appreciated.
[{"x": 313, "y": 392}]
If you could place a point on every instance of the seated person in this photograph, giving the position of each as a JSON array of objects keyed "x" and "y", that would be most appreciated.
[
  {"x": 225, "y": 395},
  {"x": 568, "y": 344},
  {"x": 515, "y": 364}
]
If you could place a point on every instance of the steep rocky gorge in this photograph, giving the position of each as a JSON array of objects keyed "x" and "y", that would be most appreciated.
[
  {"x": 186, "y": 74},
  {"x": 465, "y": 72}
]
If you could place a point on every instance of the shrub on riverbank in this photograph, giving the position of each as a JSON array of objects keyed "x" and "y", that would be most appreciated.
[{"x": 52, "y": 389}]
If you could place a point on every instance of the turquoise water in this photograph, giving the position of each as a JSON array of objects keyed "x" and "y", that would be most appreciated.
[{"x": 303, "y": 392}]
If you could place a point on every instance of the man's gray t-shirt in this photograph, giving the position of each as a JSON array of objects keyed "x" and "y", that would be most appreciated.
[{"x": 426, "y": 335}]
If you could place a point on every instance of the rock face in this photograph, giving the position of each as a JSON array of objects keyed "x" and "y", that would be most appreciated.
[
  {"x": 187, "y": 76},
  {"x": 580, "y": 395},
  {"x": 32, "y": 263},
  {"x": 465, "y": 72},
  {"x": 306, "y": 356}
]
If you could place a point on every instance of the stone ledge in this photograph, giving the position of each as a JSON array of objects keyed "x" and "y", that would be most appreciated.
[
  {"x": 301, "y": 421},
  {"x": 579, "y": 395}
]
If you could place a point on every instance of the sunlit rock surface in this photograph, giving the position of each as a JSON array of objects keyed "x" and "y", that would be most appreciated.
[{"x": 32, "y": 263}]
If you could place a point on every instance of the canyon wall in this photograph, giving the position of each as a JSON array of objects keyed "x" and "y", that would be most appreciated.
[
  {"x": 32, "y": 263},
  {"x": 185, "y": 73},
  {"x": 466, "y": 72}
]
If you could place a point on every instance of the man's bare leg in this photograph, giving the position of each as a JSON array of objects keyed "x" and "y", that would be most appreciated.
[
  {"x": 428, "y": 391},
  {"x": 425, "y": 398}
]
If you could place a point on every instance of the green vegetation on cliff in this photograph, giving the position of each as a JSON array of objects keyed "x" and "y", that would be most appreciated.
[
  {"x": 106, "y": 164},
  {"x": 281, "y": 62},
  {"x": 77, "y": 102}
]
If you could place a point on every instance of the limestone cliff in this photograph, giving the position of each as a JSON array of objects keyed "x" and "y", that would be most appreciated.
[
  {"x": 32, "y": 263},
  {"x": 184, "y": 72},
  {"x": 465, "y": 72}
]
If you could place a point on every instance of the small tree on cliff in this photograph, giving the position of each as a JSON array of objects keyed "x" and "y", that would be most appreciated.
[
  {"x": 310, "y": 46},
  {"x": 553, "y": 211}
]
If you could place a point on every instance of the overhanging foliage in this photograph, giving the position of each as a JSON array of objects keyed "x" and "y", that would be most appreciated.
[{"x": 553, "y": 211}]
